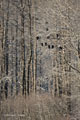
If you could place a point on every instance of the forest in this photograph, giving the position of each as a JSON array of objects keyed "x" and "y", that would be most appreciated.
[{"x": 39, "y": 60}]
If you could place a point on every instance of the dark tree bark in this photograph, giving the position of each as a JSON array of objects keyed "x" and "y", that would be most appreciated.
[
  {"x": 12, "y": 41},
  {"x": 31, "y": 49},
  {"x": 6, "y": 89},
  {"x": 7, "y": 41},
  {"x": 17, "y": 84},
  {"x": 23, "y": 44}
]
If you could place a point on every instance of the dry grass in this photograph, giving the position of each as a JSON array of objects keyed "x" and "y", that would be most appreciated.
[{"x": 34, "y": 107}]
